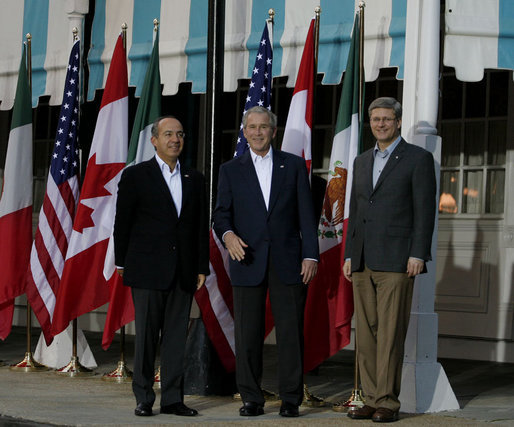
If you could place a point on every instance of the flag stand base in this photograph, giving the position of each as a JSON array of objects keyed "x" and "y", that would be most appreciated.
[
  {"x": 120, "y": 375},
  {"x": 355, "y": 401},
  {"x": 28, "y": 364},
  {"x": 310, "y": 400},
  {"x": 74, "y": 369}
]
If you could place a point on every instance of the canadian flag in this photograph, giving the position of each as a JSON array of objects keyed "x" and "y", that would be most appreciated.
[
  {"x": 89, "y": 267},
  {"x": 297, "y": 134}
]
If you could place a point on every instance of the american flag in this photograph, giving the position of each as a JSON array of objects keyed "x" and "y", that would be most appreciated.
[
  {"x": 215, "y": 297},
  {"x": 59, "y": 205},
  {"x": 259, "y": 92}
]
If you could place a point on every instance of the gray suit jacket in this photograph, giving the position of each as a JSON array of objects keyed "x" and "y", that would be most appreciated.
[{"x": 395, "y": 220}]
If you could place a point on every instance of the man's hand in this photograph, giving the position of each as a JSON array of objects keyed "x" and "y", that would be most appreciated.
[
  {"x": 200, "y": 281},
  {"x": 309, "y": 269},
  {"x": 120, "y": 271},
  {"x": 414, "y": 266},
  {"x": 235, "y": 246},
  {"x": 347, "y": 270}
]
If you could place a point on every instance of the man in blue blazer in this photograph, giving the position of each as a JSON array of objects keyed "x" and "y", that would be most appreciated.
[
  {"x": 264, "y": 216},
  {"x": 161, "y": 245},
  {"x": 392, "y": 213}
]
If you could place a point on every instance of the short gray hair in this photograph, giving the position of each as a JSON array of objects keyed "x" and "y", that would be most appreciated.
[
  {"x": 386, "y": 102},
  {"x": 155, "y": 124},
  {"x": 261, "y": 110}
]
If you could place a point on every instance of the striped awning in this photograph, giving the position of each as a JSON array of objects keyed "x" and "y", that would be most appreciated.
[
  {"x": 479, "y": 34},
  {"x": 183, "y": 38}
]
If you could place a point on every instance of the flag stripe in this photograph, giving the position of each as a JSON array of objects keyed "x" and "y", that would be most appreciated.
[{"x": 56, "y": 216}]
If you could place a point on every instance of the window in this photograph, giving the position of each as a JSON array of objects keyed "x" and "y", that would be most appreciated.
[{"x": 473, "y": 125}]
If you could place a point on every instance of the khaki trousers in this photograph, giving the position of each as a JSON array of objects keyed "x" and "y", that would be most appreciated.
[{"x": 382, "y": 309}]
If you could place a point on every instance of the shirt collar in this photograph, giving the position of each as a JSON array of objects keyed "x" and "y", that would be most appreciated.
[
  {"x": 388, "y": 150},
  {"x": 255, "y": 156},
  {"x": 164, "y": 166}
]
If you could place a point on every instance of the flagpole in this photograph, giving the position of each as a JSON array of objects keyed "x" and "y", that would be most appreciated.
[
  {"x": 74, "y": 367},
  {"x": 28, "y": 364},
  {"x": 356, "y": 400},
  {"x": 308, "y": 398}
]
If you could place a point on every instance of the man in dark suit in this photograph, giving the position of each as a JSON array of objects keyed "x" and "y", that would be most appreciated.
[
  {"x": 392, "y": 212},
  {"x": 161, "y": 245},
  {"x": 264, "y": 216}
]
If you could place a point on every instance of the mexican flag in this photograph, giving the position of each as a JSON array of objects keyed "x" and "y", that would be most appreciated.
[
  {"x": 16, "y": 203},
  {"x": 121, "y": 308},
  {"x": 148, "y": 109},
  {"x": 329, "y": 308}
]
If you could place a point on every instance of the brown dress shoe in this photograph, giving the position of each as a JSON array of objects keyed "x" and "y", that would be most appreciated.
[
  {"x": 385, "y": 415},
  {"x": 363, "y": 413}
]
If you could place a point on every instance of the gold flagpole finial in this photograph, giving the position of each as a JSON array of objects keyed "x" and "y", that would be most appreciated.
[
  {"x": 271, "y": 14},
  {"x": 155, "y": 24},
  {"x": 75, "y": 32},
  {"x": 317, "y": 10},
  {"x": 362, "y": 4},
  {"x": 28, "y": 36},
  {"x": 124, "y": 27}
]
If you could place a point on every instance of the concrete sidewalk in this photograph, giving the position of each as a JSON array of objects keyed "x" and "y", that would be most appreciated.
[{"x": 485, "y": 392}]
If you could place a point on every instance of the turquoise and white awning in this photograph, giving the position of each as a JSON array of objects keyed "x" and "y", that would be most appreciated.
[
  {"x": 479, "y": 34},
  {"x": 183, "y": 38}
]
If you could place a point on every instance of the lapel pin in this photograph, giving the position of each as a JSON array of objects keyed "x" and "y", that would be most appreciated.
[
  {"x": 186, "y": 176},
  {"x": 281, "y": 166}
]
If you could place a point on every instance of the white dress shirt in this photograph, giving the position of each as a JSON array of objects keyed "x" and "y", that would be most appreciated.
[
  {"x": 264, "y": 169},
  {"x": 173, "y": 180}
]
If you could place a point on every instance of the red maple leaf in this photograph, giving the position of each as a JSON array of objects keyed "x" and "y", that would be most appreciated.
[{"x": 97, "y": 176}]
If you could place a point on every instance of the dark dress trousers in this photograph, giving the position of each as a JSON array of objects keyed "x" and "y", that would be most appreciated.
[
  {"x": 387, "y": 224},
  {"x": 162, "y": 254},
  {"x": 278, "y": 239}
]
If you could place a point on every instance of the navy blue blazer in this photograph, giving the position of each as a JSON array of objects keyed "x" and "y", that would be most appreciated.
[
  {"x": 153, "y": 243},
  {"x": 287, "y": 231},
  {"x": 395, "y": 220}
]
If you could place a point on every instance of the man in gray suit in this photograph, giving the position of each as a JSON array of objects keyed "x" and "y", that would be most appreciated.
[{"x": 392, "y": 213}]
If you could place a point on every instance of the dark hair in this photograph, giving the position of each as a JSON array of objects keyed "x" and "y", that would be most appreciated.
[{"x": 155, "y": 124}]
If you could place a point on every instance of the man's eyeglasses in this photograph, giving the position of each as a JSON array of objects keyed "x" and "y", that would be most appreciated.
[{"x": 377, "y": 120}]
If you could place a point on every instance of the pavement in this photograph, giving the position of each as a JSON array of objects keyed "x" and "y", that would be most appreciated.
[{"x": 485, "y": 391}]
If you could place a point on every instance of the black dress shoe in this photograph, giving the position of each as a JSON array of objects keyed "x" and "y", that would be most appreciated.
[
  {"x": 143, "y": 410},
  {"x": 179, "y": 409},
  {"x": 289, "y": 410},
  {"x": 251, "y": 409}
]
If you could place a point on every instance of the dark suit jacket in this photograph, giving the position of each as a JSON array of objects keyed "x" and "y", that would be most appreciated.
[
  {"x": 151, "y": 242},
  {"x": 287, "y": 230},
  {"x": 395, "y": 220}
]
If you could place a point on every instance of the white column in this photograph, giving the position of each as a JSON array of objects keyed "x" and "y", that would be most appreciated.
[
  {"x": 425, "y": 386},
  {"x": 76, "y": 10}
]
